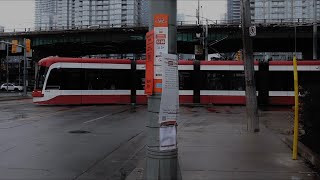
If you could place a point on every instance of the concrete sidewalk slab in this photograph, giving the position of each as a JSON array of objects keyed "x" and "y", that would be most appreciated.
[{"x": 215, "y": 145}]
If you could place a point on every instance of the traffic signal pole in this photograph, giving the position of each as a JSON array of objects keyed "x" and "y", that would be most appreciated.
[
  {"x": 7, "y": 63},
  {"x": 161, "y": 165},
  {"x": 25, "y": 72}
]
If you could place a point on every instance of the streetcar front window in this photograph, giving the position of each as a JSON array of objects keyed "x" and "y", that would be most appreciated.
[{"x": 41, "y": 76}]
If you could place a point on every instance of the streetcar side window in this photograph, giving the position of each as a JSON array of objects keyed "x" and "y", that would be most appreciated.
[
  {"x": 71, "y": 79},
  {"x": 140, "y": 79},
  {"x": 116, "y": 79},
  {"x": 281, "y": 81},
  {"x": 106, "y": 79},
  {"x": 41, "y": 76},
  {"x": 64, "y": 79},
  {"x": 223, "y": 80},
  {"x": 53, "y": 79},
  {"x": 185, "y": 80},
  {"x": 93, "y": 79}
]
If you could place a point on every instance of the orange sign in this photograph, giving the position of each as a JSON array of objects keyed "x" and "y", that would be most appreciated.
[
  {"x": 161, "y": 20},
  {"x": 149, "y": 62}
]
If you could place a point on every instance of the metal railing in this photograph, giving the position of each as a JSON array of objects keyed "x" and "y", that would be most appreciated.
[{"x": 260, "y": 22}]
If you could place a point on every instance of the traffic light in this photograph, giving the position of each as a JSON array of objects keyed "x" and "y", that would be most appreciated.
[
  {"x": 14, "y": 46},
  {"x": 28, "y": 45}
]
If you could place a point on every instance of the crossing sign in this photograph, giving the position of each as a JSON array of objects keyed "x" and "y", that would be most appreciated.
[{"x": 252, "y": 31}]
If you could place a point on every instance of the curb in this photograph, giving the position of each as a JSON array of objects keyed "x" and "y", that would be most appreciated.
[
  {"x": 304, "y": 152},
  {"x": 14, "y": 98},
  {"x": 137, "y": 173}
]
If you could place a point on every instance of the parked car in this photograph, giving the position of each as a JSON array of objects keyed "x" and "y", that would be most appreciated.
[{"x": 10, "y": 87}]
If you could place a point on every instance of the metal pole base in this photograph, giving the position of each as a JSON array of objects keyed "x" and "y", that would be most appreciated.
[{"x": 161, "y": 165}]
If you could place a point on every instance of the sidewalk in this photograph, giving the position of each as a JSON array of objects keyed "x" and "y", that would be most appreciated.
[
  {"x": 4, "y": 96},
  {"x": 213, "y": 144}
]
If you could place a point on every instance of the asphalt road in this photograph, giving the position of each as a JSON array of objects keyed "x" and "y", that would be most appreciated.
[{"x": 36, "y": 142}]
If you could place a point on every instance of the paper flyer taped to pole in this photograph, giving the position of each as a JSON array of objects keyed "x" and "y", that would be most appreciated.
[
  {"x": 168, "y": 138},
  {"x": 169, "y": 105}
]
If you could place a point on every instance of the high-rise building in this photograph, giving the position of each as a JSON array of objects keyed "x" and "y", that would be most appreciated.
[
  {"x": 284, "y": 11},
  {"x": 180, "y": 17},
  {"x": 233, "y": 11},
  {"x": 145, "y": 12},
  {"x": 267, "y": 11},
  {"x": 1, "y": 28},
  {"x": 76, "y": 13},
  {"x": 45, "y": 12}
]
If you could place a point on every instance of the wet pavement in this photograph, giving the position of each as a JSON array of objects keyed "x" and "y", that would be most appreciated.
[
  {"x": 36, "y": 143},
  {"x": 214, "y": 144},
  {"x": 108, "y": 142}
]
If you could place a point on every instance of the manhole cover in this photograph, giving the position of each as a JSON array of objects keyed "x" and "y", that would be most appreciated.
[{"x": 79, "y": 132}]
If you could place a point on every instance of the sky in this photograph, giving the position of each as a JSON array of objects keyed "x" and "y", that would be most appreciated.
[{"x": 16, "y": 14}]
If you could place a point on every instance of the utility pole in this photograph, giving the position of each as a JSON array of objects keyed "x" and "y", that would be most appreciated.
[
  {"x": 161, "y": 165},
  {"x": 205, "y": 44},
  {"x": 315, "y": 31},
  {"x": 7, "y": 63},
  {"x": 251, "y": 96}
]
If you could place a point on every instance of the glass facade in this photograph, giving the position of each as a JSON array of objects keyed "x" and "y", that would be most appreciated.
[
  {"x": 266, "y": 11},
  {"x": 233, "y": 8},
  {"x": 77, "y": 13},
  {"x": 270, "y": 11},
  {"x": 45, "y": 13}
]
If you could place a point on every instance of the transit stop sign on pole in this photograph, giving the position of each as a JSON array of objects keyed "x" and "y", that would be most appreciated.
[{"x": 160, "y": 46}]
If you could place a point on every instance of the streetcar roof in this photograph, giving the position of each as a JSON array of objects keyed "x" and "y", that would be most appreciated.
[{"x": 47, "y": 62}]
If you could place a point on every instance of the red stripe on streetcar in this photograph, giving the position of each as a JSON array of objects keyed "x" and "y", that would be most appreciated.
[
  {"x": 281, "y": 100},
  {"x": 224, "y": 62},
  {"x": 287, "y": 63},
  {"x": 88, "y": 99},
  {"x": 51, "y": 60},
  {"x": 216, "y": 99}
]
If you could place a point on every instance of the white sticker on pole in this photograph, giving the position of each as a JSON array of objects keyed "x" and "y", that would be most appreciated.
[{"x": 252, "y": 31}]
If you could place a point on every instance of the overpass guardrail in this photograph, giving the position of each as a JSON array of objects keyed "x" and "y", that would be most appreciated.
[{"x": 210, "y": 23}]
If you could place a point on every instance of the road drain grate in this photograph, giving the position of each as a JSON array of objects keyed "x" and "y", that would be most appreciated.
[{"x": 79, "y": 132}]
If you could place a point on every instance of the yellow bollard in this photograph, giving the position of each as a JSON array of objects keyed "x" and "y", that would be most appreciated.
[{"x": 296, "y": 110}]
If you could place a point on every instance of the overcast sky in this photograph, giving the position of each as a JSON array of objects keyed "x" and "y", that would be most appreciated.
[{"x": 20, "y": 13}]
